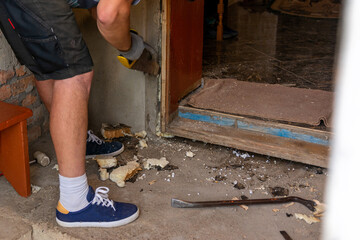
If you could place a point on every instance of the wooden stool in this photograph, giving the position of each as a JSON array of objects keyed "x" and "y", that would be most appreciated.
[{"x": 14, "y": 149}]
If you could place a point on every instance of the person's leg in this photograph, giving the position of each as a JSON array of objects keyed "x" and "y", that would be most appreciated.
[
  {"x": 68, "y": 123},
  {"x": 62, "y": 66},
  {"x": 113, "y": 20},
  {"x": 94, "y": 145},
  {"x": 67, "y": 102}
]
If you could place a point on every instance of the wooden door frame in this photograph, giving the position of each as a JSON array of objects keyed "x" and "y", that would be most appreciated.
[
  {"x": 177, "y": 84},
  {"x": 165, "y": 66}
]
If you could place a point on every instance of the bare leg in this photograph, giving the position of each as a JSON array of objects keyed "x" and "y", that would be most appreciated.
[
  {"x": 68, "y": 121},
  {"x": 45, "y": 90},
  {"x": 113, "y": 20}
]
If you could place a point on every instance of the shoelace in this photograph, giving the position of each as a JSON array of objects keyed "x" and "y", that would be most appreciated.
[
  {"x": 93, "y": 138},
  {"x": 101, "y": 197}
]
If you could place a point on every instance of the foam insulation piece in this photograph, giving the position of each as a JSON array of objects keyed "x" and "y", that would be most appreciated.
[
  {"x": 143, "y": 143},
  {"x": 288, "y": 205},
  {"x": 244, "y": 207},
  {"x": 306, "y": 218},
  {"x": 109, "y": 131},
  {"x": 141, "y": 134},
  {"x": 123, "y": 173},
  {"x": 106, "y": 161},
  {"x": 103, "y": 174},
  {"x": 153, "y": 162},
  {"x": 190, "y": 154}
]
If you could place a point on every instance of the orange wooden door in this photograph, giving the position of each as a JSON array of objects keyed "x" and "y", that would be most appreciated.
[{"x": 186, "y": 49}]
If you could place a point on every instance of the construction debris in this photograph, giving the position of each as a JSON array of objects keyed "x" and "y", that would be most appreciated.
[
  {"x": 306, "y": 218},
  {"x": 239, "y": 186},
  {"x": 123, "y": 173},
  {"x": 143, "y": 144},
  {"x": 219, "y": 178},
  {"x": 141, "y": 134},
  {"x": 164, "y": 135},
  {"x": 190, "y": 154},
  {"x": 289, "y": 205},
  {"x": 142, "y": 177},
  {"x": 319, "y": 209},
  {"x": 56, "y": 167},
  {"x": 279, "y": 191},
  {"x": 35, "y": 189},
  {"x": 244, "y": 207},
  {"x": 154, "y": 163},
  {"x": 41, "y": 158},
  {"x": 242, "y": 155},
  {"x": 169, "y": 167},
  {"x": 243, "y": 197},
  {"x": 109, "y": 131},
  {"x": 152, "y": 182},
  {"x": 106, "y": 161},
  {"x": 104, "y": 174}
]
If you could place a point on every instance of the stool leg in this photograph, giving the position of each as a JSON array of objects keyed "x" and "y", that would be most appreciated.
[{"x": 14, "y": 157}]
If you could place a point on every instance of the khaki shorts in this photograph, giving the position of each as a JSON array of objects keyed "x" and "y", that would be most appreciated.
[{"x": 45, "y": 37}]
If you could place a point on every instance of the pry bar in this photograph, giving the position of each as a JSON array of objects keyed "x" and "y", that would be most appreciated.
[{"x": 187, "y": 204}]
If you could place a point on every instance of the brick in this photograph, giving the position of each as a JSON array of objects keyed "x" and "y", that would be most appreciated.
[
  {"x": 22, "y": 84},
  {"x": 20, "y": 71},
  {"x": 6, "y": 75},
  {"x": 34, "y": 133},
  {"x": 28, "y": 100},
  {"x": 5, "y": 92},
  {"x": 13, "y": 101}
]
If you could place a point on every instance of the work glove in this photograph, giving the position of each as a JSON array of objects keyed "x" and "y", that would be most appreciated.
[{"x": 141, "y": 56}]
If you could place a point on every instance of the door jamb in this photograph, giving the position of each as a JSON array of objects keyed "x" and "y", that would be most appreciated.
[{"x": 165, "y": 56}]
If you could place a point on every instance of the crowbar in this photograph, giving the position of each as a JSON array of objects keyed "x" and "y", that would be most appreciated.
[{"x": 187, "y": 204}]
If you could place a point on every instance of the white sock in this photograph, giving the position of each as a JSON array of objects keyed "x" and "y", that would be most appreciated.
[{"x": 73, "y": 192}]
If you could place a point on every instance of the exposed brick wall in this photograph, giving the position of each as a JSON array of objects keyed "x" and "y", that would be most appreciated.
[{"x": 17, "y": 86}]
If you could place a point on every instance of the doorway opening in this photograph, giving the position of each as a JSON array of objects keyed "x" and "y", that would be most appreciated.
[{"x": 271, "y": 49}]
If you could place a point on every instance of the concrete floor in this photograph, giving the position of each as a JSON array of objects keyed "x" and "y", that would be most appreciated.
[{"x": 194, "y": 180}]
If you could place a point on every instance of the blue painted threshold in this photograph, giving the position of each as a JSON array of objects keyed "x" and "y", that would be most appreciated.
[{"x": 230, "y": 122}]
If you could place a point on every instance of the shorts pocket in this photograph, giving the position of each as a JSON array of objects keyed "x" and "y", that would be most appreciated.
[{"x": 39, "y": 38}]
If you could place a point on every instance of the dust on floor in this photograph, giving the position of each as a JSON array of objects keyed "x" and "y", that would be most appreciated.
[{"x": 205, "y": 172}]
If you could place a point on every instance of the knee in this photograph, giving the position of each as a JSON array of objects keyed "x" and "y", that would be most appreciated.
[{"x": 113, "y": 11}]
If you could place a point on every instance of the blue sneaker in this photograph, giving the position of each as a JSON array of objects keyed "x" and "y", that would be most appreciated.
[
  {"x": 95, "y": 147},
  {"x": 101, "y": 212}
]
